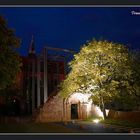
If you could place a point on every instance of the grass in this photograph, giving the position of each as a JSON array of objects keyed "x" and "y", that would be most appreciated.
[
  {"x": 36, "y": 128},
  {"x": 121, "y": 123}
]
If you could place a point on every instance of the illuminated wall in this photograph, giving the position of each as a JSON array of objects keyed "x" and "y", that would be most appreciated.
[{"x": 86, "y": 107}]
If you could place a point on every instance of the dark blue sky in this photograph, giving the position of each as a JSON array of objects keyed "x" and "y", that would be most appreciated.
[{"x": 72, "y": 27}]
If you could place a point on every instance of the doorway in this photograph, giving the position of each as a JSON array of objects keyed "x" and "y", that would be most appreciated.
[{"x": 74, "y": 111}]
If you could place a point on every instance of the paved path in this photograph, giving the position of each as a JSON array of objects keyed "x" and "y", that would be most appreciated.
[{"x": 90, "y": 127}]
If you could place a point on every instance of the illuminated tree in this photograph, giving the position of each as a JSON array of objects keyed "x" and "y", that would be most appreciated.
[
  {"x": 135, "y": 80},
  {"x": 102, "y": 69},
  {"x": 9, "y": 59}
]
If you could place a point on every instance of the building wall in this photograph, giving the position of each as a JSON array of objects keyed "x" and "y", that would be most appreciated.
[
  {"x": 34, "y": 84},
  {"x": 52, "y": 110},
  {"x": 58, "y": 109}
]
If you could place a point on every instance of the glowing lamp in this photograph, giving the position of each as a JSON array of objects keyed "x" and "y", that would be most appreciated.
[{"x": 96, "y": 121}]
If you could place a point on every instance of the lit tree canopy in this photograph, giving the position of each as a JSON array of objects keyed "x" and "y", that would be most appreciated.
[
  {"x": 135, "y": 79},
  {"x": 9, "y": 59},
  {"x": 101, "y": 68}
]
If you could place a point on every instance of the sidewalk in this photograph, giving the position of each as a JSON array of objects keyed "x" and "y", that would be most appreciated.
[
  {"x": 123, "y": 128},
  {"x": 90, "y": 127}
]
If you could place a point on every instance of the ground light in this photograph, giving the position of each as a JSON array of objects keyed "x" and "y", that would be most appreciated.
[{"x": 96, "y": 120}]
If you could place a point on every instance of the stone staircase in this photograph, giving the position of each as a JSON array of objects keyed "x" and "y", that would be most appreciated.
[{"x": 51, "y": 111}]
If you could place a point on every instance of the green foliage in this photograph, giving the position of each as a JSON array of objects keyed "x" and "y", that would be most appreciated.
[
  {"x": 106, "y": 70},
  {"x": 9, "y": 59}
]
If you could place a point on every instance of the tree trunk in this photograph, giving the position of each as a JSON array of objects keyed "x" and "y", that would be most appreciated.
[
  {"x": 103, "y": 108},
  {"x": 102, "y": 101}
]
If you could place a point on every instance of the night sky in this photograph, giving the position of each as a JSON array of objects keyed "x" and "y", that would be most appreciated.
[{"x": 72, "y": 27}]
